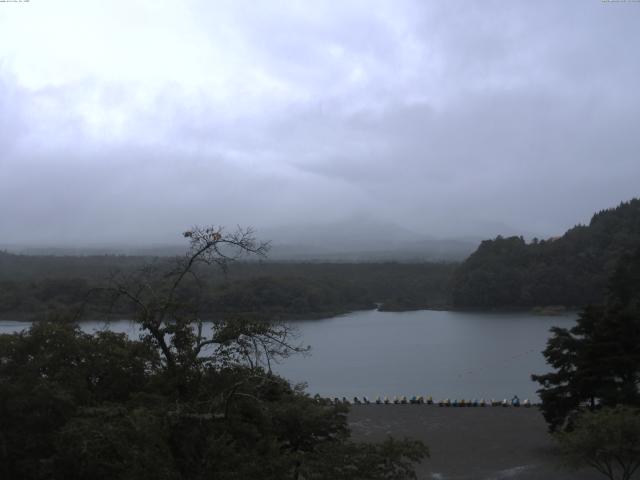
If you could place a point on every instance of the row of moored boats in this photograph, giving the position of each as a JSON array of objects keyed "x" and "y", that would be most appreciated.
[{"x": 419, "y": 400}]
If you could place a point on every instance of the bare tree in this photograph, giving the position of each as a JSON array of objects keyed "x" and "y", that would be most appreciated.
[{"x": 170, "y": 318}]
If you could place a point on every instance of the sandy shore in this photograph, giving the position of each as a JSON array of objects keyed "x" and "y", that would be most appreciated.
[{"x": 488, "y": 443}]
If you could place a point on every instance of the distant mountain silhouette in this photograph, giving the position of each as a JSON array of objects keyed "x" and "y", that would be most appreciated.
[
  {"x": 354, "y": 239},
  {"x": 362, "y": 239}
]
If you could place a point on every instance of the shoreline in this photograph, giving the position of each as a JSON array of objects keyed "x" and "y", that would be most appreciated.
[
  {"x": 470, "y": 443},
  {"x": 290, "y": 317}
]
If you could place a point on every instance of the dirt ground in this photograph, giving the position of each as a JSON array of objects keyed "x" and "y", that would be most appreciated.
[{"x": 474, "y": 443}]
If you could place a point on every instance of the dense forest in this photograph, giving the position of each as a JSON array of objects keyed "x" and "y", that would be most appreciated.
[
  {"x": 571, "y": 270},
  {"x": 34, "y": 285},
  {"x": 178, "y": 403}
]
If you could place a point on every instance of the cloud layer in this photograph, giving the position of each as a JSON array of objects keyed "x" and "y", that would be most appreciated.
[{"x": 127, "y": 122}]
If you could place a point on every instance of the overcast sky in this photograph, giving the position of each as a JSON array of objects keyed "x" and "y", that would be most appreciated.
[{"x": 132, "y": 120}]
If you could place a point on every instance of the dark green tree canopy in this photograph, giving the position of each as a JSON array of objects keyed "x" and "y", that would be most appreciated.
[
  {"x": 607, "y": 440},
  {"x": 571, "y": 270},
  {"x": 183, "y": 402},
  {"x": 597, "y": 362}
]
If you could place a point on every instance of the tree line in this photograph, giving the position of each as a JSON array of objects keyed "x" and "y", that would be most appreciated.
[
  {"x": 591, "y": 399},
  {"x": 35, "y": 286},
  {"x": 571, "y": 270},
  {"x": 176, "y": 403}
]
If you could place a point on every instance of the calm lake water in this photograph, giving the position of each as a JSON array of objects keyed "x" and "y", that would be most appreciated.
[{"x": 443, "y": 354}]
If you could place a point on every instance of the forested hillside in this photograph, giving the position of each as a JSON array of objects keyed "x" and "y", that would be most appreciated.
[
  {"x": 502, "y": 273},
  {"x": 35, "y": 285},
  {"x": 571, "y": 270}
]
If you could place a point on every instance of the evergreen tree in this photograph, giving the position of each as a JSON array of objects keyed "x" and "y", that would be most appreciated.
[{"x": 597, "y": 362}]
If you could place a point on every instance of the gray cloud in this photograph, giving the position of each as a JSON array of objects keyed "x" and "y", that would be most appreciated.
[{"x": 447, "y": 118}]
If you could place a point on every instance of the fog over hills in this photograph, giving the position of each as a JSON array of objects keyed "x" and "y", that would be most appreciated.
[
  {"x": 354, "y": 239},
  {"x": 440, "y": 118},
  {"x": 362, "y": 239}
]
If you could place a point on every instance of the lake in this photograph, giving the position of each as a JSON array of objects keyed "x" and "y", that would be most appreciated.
[{"x": 426, "y": 352}]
